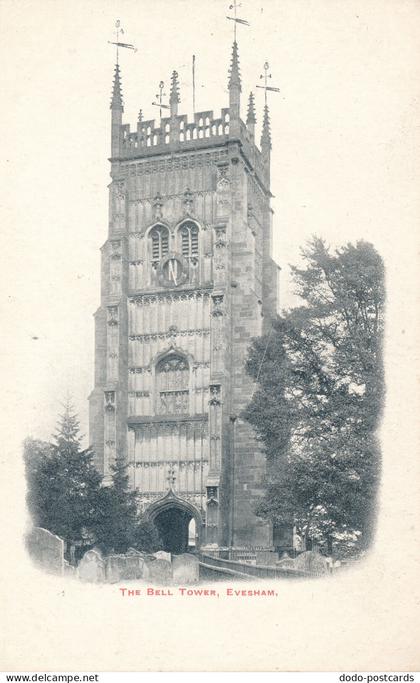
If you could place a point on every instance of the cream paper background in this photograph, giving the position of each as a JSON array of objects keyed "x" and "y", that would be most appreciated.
[{"x": 345, "y": 165}]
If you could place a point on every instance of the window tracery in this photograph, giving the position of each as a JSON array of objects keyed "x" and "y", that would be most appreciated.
[
  {"x": 172, "y": 382},
  {"x": 159, "y": 241},
  {"x": 189, "y": 241}
]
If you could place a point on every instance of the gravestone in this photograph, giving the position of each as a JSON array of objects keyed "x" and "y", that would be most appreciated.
[
  {"x": 69, "y": 570},
  {"x": 162, "y": 555},
  {"x": 159, "y": 571},
  {"x": 266, "y": 558},
  {"x": 134, "y": 563},
  {"x": 312, "y": 562},
  {"x": 286, "y": 562},
  {"x": 125, "y": 567},
  {"x": 91, "y": 567},
  {"x": 46, "y": 550},
  {"x": 185, "y": 568}
]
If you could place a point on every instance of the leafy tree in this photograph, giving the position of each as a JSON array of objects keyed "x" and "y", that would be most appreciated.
[{"x": 319, "y": 397}]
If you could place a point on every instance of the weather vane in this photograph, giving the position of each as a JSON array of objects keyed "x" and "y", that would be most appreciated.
[
  {"x": 120, "y": 31},
  {"x": 159, "y": 96},
  {"x": 266, "y": 87},
  {"x": 236, "y": 20}
]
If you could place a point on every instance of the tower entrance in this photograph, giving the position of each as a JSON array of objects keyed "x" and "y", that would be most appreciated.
[
  {"x": 172, "y": 525},
  {"x": 178, "y": 523}
]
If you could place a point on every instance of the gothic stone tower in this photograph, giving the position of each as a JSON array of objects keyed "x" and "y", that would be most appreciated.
[{"x": 187, "y": 281}]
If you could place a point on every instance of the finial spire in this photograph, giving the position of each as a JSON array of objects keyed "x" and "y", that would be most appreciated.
[
  {"x": 174, "y": 98},
  {"x": 266, "y": 133},
  {"x": 117, "y": 101},
  {"x": 251, "y": 109},
  {"x": 234, "y": 73},
  {"x": 251, "y": 118}
]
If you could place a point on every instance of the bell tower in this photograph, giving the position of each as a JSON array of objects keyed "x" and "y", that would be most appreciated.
[{"x": 187, "y": 281}]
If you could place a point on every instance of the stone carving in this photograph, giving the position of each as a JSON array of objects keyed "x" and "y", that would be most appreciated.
[
  {"x": 139, "y": 370},
  {"x": 217, "y": 305},
  {"x": 220, "y": 232},
  {"x": 115, "y": 249},
  {"x": 223, "y": 199},
  {"x": 120, "y": 189},
  {"x": 154, "y": 336},
  {"x": 215, "y": 395},
  {"x": 169, "y": 297},
  {"x": 157, "y": 205},
  {"x": 188, "y": 200},
  {"x": 112, "y": 312},
  {"x": 46, "y": 550},
  {"x": 109, "y": 398},
  {"x": 147, "y": 167},
  {"x": 174, "y": 402}
]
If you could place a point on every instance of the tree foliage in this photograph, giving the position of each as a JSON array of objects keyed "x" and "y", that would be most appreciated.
[
  {"x": 119, "y": 525},
  {"x": 319, "y": 396},
  {"x": 62, "y": 481},
  {"x": 66, "y": 494}
]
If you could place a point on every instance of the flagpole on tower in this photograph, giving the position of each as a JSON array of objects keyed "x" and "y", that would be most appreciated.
[{"x": 193, "y": 82}]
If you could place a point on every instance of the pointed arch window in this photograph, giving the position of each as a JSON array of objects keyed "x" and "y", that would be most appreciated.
[
  {"x": 172, "y": 383},
  {"x": 189, "y": 241},
  {"x": 159, "y": 241}
]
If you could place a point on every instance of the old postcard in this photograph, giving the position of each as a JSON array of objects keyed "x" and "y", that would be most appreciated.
[{"x": 210, "y": 335}]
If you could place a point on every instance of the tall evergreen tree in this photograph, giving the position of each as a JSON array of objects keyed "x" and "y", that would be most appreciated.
[
  {"x": 319, "y": 396},
  {"x": 35, "y": 455},
  {"x": 65, "y": 484}
]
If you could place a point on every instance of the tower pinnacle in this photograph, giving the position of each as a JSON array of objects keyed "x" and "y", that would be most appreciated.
[
  {"x": 234, "y": 74},
  {"x": 251, "y": 109},
  {"x": 251, "y": 119},
  {"x": 174, "y": 98},
  {"x": 234, "y": 86},
  {"x": 117, "y": 101},
  {"x": 266, "y": 133}
]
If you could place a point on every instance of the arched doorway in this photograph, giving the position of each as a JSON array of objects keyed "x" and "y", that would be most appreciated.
[
  {"x": 172, "y": 525},
  {"x": 178, "y": 523}
]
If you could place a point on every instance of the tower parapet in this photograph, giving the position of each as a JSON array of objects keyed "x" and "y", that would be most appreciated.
[{"x": 177, "y": 133}]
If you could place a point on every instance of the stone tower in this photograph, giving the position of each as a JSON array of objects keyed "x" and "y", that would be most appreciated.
[{"x": 187, "y": 281}]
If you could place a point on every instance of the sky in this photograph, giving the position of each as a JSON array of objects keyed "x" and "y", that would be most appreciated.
[{"x": 344, "y": 160}]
